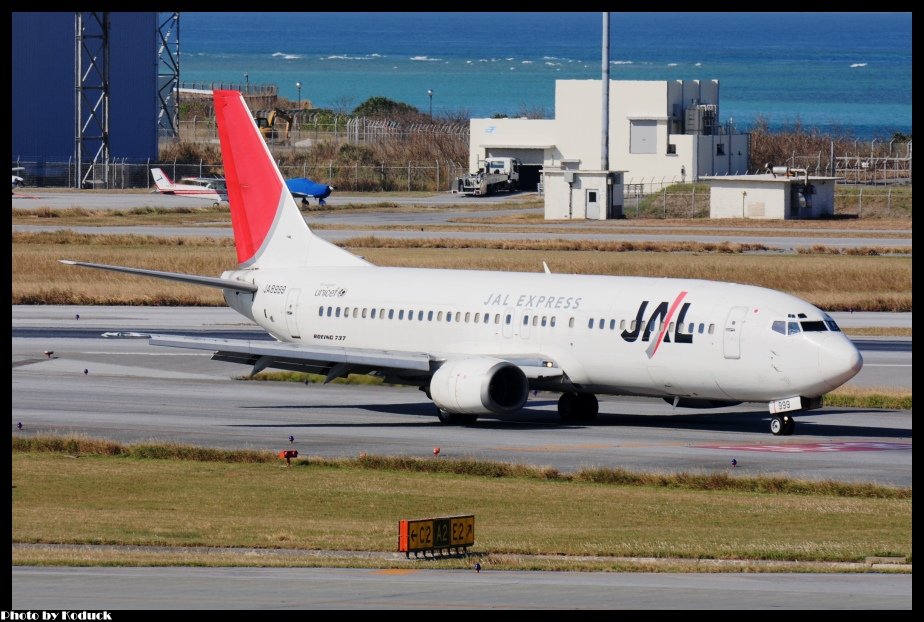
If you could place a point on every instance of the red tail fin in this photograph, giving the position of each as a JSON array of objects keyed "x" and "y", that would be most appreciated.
[
  {"x": 268, "y": 227},
  {"x": 255, "y": 186}
]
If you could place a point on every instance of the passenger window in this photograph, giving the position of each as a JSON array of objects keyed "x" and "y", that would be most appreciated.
[
  {"x": 329, "y": 310},
  {"x": 477, "y": 318},
  {"x": 543, "y": 320},
  {"x": 571, "y": 322},
  {"x": 467, "y": 316},
  {"x": 391, "y": 314},
  {"x": 779, "y": 326},
  {"x": 612, "y": 324},
  {"x": 364, "y": 311},
  {"x": 439, "y": 316},
  {"x": 712, "y": 329},
  {"x": 670, "y": 327},
  {"x": 372, "y": 315},
  {"x": 458, "y": 316},
  {"x": 381, "y": 314},
  {"x": 449, "y": 316},
  {"x": 429, "y": 316},
  {"x": 321, "y": 311},
  {"x": 622, "y": 325},
  {"x": 497, "y": 318},
  {"x": 525, "y": 320},
  {"x": 793, "y": 328},
  {"x": 535, "y": 320},
  {"x": 355, "y": 312},
  {"x": 632, "y": 326},
  {"x": 508, "y": 319},
  {"x": 552, "y": 321},
  {"x": 691, "y": 327},
  {"x": 401, "y": 314},
  {"x": 701, "y": 327},
  {"x": 590, "y": 323},
  {"x": 337, "y": 312}
]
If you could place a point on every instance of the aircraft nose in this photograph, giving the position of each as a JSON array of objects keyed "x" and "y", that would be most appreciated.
[{"x": 839, "y": 361}]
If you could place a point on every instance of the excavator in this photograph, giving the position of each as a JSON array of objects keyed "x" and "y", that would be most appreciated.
[{"x": 268, "y": 128}]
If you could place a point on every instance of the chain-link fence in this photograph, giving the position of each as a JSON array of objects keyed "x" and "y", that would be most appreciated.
[{"x": 352, "y": 177}]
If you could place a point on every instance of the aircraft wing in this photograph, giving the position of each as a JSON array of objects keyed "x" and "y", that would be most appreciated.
[
  {"x": 335, "y": 361},
  {"x": 331, "y": 361}
]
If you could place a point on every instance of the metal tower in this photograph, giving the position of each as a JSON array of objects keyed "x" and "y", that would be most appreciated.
[
  {"x": 168, "y": 77},
  {"x": 91, "y": 93}
]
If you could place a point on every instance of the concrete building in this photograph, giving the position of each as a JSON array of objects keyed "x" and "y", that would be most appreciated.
[
  {"x": 660, "y": 132},
  {"x": 768, "y": 196}
]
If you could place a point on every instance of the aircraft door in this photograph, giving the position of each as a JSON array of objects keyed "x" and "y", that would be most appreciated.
[
  {"x": 733, "y": 324},
  {"x": 523, "y": 324},
  {"x": 292, "y": 313},
  {"x": 507, "y": 320}
]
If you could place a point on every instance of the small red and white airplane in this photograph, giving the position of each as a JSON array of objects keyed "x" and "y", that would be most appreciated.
[
  {"x": 477, "y": 342},
  {"x": 212, "y": 189}
]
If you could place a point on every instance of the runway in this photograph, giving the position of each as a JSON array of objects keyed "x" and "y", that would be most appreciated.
[
  {"x": 135, "y": 392},
  {"x": 452, "y": 207},
  {"x": 100, "y": 589}
]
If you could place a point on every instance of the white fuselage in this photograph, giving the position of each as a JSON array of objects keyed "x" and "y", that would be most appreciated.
[{"x": 617, "y": 335}]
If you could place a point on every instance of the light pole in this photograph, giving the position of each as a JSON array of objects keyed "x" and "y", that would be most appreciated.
[
  {"x": 430, "y": 95},
  {"x": 247, "y": 81},
  {"x": 298, "y": 85}
]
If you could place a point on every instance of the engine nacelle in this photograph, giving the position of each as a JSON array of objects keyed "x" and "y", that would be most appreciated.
[{"x": 478, "y": 386}]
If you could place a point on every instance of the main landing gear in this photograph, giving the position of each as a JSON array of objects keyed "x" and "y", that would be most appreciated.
[
  {"x": 578, "y": 406},
  {"x": 782, "y": 425},
  {"x": 447, "y": 418}
]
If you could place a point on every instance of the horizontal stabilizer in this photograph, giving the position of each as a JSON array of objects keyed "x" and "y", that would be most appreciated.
[{"x": 208, "y": 281}]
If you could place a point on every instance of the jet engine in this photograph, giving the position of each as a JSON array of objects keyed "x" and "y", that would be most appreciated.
[{"x": 478, "y": 386}]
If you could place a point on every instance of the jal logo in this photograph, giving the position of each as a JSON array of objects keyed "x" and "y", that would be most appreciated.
[{"x": 661, "y": 316}]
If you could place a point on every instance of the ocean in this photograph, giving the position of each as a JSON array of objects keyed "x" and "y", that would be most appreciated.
[{"x": 843, "y": 73}]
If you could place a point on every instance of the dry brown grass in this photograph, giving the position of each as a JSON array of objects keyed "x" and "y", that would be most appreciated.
[{"x": 831, "y": 282}]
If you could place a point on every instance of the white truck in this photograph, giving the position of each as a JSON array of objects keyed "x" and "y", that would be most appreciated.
[{"x": 493, "y": 174}]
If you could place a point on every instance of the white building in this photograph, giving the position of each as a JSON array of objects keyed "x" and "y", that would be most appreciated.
[
  {"x": 660, "y": 132},
  {"x": 768, "y": 196}
]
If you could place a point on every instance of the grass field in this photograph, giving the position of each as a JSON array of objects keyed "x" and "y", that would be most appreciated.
[
  {"x": 250, "y": 499},
  {"x": 834, "y": 283}
]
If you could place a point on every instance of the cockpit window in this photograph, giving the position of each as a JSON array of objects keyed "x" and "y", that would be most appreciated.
[
  {"x": 813, "y": 326},
  {"x": 832, "y": 325},
  {"x": 793, "y": 328},
  {"x": 779, "y": 326}
]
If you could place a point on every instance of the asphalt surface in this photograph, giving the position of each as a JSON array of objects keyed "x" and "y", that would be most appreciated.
[
  {"x": 100, "y": 589},
  {"x": 133, "y": 392}
]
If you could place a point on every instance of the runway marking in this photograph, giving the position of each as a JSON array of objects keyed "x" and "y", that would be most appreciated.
[
  {"x": 815, "y": 447},
  {"x": 886, "y": 365},
  {"x": 397, "y": 571}
]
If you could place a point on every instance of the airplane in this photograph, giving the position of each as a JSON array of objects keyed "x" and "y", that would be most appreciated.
[
  {"x": 303, "y": 188},
  {"x": 17, "y": 180},
  {"x": 478, "y": 342},
  {"x": 209, "y": 188}
]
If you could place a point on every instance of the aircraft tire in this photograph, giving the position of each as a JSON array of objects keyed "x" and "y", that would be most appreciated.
[
  {"x": 448, "y": 418},
  {"x": 789, "y": 426},
  {"x": 777, "y": 426},
  {"x": 568, "y": 406},
  {"x": 588, "y": 406}
]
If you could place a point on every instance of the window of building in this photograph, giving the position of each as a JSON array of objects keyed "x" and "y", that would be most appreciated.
[
  {"x": 719, "y": 149},
  {"x": 671, "y": 149}
]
